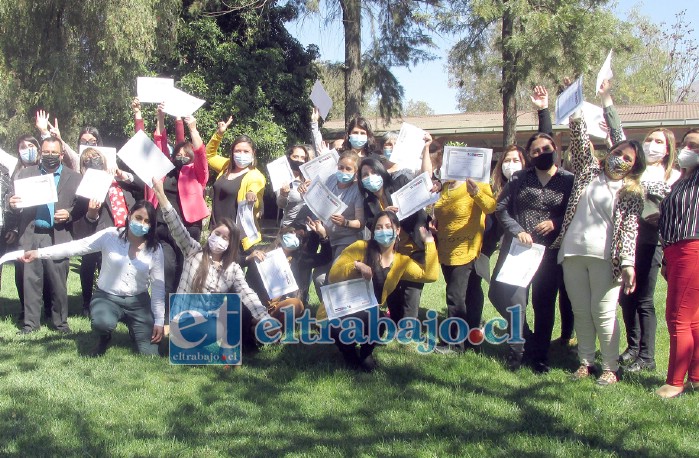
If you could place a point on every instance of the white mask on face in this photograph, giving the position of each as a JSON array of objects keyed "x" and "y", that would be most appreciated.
[
  {"x": 509, "y": 168},
  {"x": 654, "y": 152},
  {"x": 687, "y": 158},
  {"x": 217, "y": 244}
]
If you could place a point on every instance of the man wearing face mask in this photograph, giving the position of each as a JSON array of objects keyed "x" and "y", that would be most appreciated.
[{"x": 47, "y": 225}]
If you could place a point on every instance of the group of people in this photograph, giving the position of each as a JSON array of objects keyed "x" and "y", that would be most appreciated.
[{"x": 609, "y": 222}]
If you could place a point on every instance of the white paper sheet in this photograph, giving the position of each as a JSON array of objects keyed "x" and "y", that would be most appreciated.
[
  {"x": 280, "y": 173},
  {"x": 145, "y": 158},
  {"x": 348, "y": 297},
  {"x": 521, "y": 264},
  {"x": 321, "y": 99},
  {"x": 95, "y": 184},
  {"x": 110, "y": 154},
  {"x": 246, "y": 219},
  {"x": 38, "y": 190},
  {"x": 593, "y": 115},
  {"x": 276, "y": 274},
  {"x": 408, "y": 148},
  {"x": 8, "y": 161},
  {"x": 463, "y": 162},
  {"x": 414, "y": 196},
  {"x": 569, "y": 101},
  {"x": 11, "y": 256},
  {"x": 179, "y": 103},
  {"x": 605, "y": 73},
  {"x": 321, "y": 167},
  {"x": 153, "y": 90},
  {"x": 322, "y": 202}
]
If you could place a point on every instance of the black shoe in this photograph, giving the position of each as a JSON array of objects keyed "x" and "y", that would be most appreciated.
[
  {"x": 351, "y": 358},
  {"x": 628, "y": 356},
  {"x": 65, "y": 331},
  {"x": 25, "y": 331},
  {"x": 641, "y": 365},
  {"x": 541, "y": 368},
  {"x": 101, "y": 346},
  {"x": 86, "y": 311},
  {"x": 368, "y": 364},
  {"x": 514, "y": 361}
]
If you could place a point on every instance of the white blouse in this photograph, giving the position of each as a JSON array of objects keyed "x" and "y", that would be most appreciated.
[{"x": 120, "y": 275}]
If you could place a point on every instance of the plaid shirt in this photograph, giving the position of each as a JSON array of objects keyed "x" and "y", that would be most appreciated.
[{"x": 218, "y": 280}]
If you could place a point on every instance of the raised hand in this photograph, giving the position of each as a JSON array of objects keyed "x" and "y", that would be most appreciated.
[
  {"x": 54, "y": 130},
  {"x": 136, "y": 106},
  {"x": 223, "y": 125},
  {"x": 191, "y": 122},
  {"x": 315, "y": 114},
  {"x": 42, "y": 122},
  {"x": 540, "y": 97}
]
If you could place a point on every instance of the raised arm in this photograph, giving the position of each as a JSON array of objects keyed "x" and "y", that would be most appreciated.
[
  {"x": 138, "y": 118},
  {"x": 160, "y": 135},
  {"x": 582, "y": 159},
  {"x": 315, "y": 132},
  {"x": 426, "y": 161},
  {"x": 185, "y": 242},
  {"x": 201, "y": 168},
  {"x": 540, "y": 99},
  {"x": 611, "y": 117},
  {"x": 179, "y": 131},
  {"x": 217, "y": 162}
]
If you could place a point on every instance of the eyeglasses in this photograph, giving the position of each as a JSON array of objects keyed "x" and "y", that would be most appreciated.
[
  {"x": 88, "y": 142},
  {"x": 50, "y": 153}
]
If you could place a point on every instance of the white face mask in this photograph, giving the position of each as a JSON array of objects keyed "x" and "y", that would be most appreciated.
[
  {"x": 655, "y": 152},
  {"x": 687, "y": 159},
  {"x": 509, "y": 168},
  {"x": 242, "y": 160},
  {"x": 217, "y": 244}
]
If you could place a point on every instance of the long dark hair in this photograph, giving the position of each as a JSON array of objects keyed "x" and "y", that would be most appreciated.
[
  {"x": 92, "y": 131},
  {"x": 380, "y": 170},
  {"x": 372, "y": 257},
  {"x": 229, "y": 256},
  {"x": 363, "y": 124},
  {"x": 498, "y": 179},
  {"x": 151, "y": 237}
]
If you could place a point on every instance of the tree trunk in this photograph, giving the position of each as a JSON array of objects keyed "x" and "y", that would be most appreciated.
[
  {"x": 351, "y": 21},
  {"x": 509, "y": 81}
]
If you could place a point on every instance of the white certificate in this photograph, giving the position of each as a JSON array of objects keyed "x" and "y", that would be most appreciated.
[
  {"x": 462, "y": 162},
  {"x": 145, "y": 159},
  {"x": 280, "y": 173},
  {"x": 95, "y": 184},
  {"x": 38, "y": 190},
  {"x": 11, "y": 256},
  {"x": 179, "y": 103},
  {"x": 521, "y": 264},
  {"x": 593, "y": 116},
  {"x": 321, "y": 167},
  {"x": 569, "y": 101},
  {"x": 8, "y": 161},
  {"x": 276, "y": 274},
  {"x": 246, "y": 219},
  {"x": 605, "y": 73},
  {"x": 413, "y": 196},
  {"x": 321, "y": 99},
  {"x": 108, "y": 153},
  {"x": 347, "y": 297},
  {"x": 322, "y": 202},
  {"x": 153, "y": 90},
  {"x": 408, "y": 148}
]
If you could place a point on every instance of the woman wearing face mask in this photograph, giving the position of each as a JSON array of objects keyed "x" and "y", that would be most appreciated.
[
  {"x": 212, "y": 268},
  {"x": 292, "y": 240},
  {"x": 638, "y": 307},
  {"x": 598, "y": 244},
  {"x": 288, "y": 197},
  {"x": 238, "y": 182},
  {"x": 530, "y": 209},
  {"x": 132, "y": 263},
  {"x": 377, "y": 185},
  {"x": 359, "y": 137},
  {"x": 679, "y": 233},
  {"x": 112, "y": 212},
  {"x": 379, "y": 261}
]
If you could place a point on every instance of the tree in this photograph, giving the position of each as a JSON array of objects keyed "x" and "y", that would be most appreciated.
[
  {"x": 549, "y": 39},
  {"x": 417, "y": 108}
]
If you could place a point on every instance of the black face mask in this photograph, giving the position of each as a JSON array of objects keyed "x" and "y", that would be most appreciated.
[
  {"x": 295, "y": 165},
  {"x": 95, "y": 163},
  {"x": 50, "y": 162},
  {"x": 543, "y": 161},
  {"x": 181, "y": 161}
]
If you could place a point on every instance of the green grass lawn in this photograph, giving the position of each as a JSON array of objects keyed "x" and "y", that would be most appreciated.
[{"x": 301, "y": 401}]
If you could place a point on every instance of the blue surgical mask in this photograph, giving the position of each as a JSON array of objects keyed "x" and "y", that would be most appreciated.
[
  {"x": 242, "y": 160},
  {"x": 343, "y": 177},
  {"x": 290, "y": 241},
  {"x": 28, "y": 155},
  {"x": 357, "y": 140},
  {"x": 384, "y": 236},
  {"x": 138, "y": 229},
  {"x": 372, "y": 183},
  {"x": 387, "y": 152}
]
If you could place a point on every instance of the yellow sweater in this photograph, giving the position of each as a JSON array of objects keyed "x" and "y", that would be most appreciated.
[
  {"x": 253, "y": 180},
  {"x": 403, "y": 268},
  {"x": 461, "y": 222}
]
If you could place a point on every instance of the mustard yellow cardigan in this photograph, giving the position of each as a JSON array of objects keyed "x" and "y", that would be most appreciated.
[
  {"x": 253, "y": 180},
  {"x": 403, "y": 268}
]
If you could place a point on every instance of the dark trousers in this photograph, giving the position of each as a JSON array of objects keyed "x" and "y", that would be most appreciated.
[
  {"x": 56, "y": 273},
  {"x": 88, "y": 265},
  {"x": 457, "y": 279},
  {"x": 638, "y": 308},
  {"x": 349, "y": 351},
  {"x": 544, "y": 291},
  {"x": 404, "y": 301},
  {"x": 173, "y": 258},
  {"x": 107, "y": 310}
]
